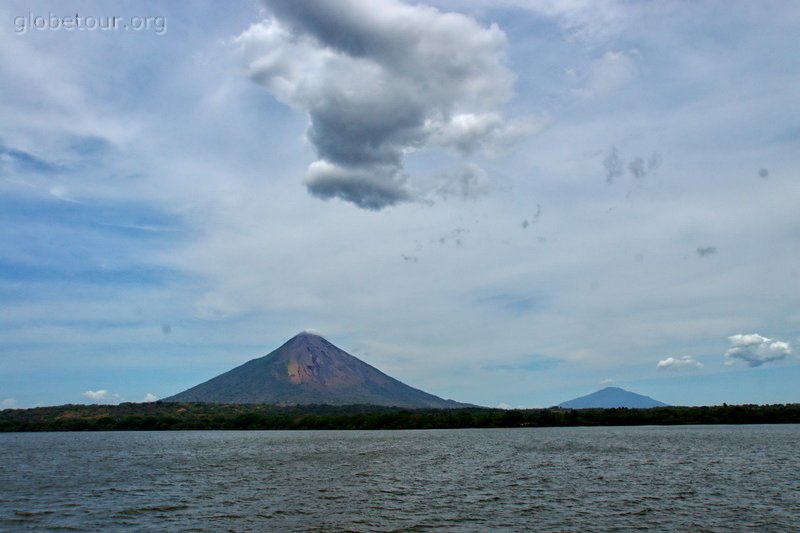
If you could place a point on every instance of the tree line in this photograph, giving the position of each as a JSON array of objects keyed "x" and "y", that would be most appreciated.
[{"x": 205, "y": 416}]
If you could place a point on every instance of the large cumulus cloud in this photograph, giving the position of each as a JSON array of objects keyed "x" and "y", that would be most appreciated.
[
  {"x": 379, "y": 80},
  {"x": 755, "y": 350}
]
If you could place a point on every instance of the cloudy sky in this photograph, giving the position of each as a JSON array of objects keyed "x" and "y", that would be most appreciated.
[{"x": 500, "y": 202}]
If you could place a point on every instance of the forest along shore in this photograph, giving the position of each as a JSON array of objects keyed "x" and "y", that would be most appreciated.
[{"x": 206, "y": 416}]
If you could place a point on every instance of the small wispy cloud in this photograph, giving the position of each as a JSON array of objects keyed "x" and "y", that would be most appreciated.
[
  {"x": 96, "y": 395},
  {"x": 592, "y": 22},
  {"x": 24, "y": 161},
  {"x": 8, "y": 403},
  {"x": 755, "y": 350},
  {"x": 62, "y": 193},
  {"x": 508, "y": 407},
  {"x": 686, "y": 362},
  {"x": 149, "y": 397}
]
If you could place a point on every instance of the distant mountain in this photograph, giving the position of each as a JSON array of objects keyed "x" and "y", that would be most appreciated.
[
  {"x": 308, "y": 369},
  {"x": 612, "y": 397}
]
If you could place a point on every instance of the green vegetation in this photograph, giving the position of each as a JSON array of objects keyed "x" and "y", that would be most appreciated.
[{"x": 193, "y": 416}]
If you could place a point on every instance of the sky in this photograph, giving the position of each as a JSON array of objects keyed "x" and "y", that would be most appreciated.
[{"x": 507, "y": 203}]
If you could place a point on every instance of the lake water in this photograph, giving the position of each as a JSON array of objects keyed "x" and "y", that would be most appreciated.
[{"x": 689, "y": 478}]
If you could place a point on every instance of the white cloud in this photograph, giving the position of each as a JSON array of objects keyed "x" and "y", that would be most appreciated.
[
  {"x": 96, "y": 395},
  {"x": 149, "y": 397},
  {"x": 468, "y": 133},
  {"x": 508, "y": 407},
  {"x": 379, "y": 80},
  {"x": 679, "y": 363},
  {"x": 8, "y": 403},
  {"x": 755, "y": 350},
  {"x": 606, "y": 382}
]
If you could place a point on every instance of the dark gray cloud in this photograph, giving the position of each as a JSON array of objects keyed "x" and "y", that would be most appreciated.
[
  {"x": 704, "y": 251},
  {"x": 379, "y": 80},
  {"x": 369, "y": 187},
  {"x": 763, "y": 173}
]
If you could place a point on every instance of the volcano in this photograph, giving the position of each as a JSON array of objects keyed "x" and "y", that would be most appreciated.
[
  {"x": 611, "y": 397},
  {"x": 308, "y": 369}
]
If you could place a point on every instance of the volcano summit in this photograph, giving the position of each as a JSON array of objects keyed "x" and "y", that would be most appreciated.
[{"x": 308, "y": 369}]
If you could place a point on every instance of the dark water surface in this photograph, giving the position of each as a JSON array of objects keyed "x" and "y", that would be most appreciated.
[{"x": 689, "y": 478}]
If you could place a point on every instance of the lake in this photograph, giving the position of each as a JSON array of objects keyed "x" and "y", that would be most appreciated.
[{"x": 698, "y": 478}]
